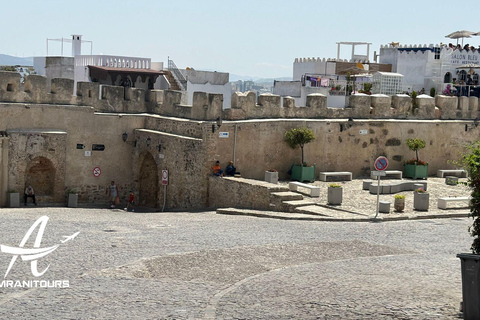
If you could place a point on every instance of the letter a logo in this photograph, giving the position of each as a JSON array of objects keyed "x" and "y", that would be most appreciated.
[{"x": 30, "y": 254}]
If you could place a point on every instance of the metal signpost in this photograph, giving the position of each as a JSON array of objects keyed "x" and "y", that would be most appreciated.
[
  {"x": 381, "y": 163},
  {"x": 164, "y": 183}
]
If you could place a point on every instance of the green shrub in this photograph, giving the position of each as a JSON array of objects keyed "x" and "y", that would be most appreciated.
[
  {"x": 470, "y": 160},
  {"x": 299, "y": 137}
]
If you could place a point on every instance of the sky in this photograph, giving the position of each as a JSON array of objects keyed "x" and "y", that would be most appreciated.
[{"x": 258, "y": 38}]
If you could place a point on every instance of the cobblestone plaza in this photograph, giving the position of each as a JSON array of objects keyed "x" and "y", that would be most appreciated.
[{"x": 203, "y": 265}]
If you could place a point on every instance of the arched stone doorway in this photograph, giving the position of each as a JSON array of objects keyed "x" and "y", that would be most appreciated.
[
  {"x": 40, "y": 174},
  {"x": 148, "y": 182}
]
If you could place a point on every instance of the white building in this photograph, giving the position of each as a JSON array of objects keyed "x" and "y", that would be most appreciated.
[
  {"x": 106, "y": 69},
  {"x": 136, "y": 72},
  {"x": 328, "y": 76},
  {"x": 431, "y": 66},
  {"x": 210, "y": 82}
]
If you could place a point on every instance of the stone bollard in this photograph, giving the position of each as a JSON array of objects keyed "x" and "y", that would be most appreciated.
[{"x": 384, "y": 207}]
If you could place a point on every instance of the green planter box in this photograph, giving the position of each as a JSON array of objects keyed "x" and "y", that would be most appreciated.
[
  {"x": 415, "y": 171},
  {"x": 301, "y": 173}
]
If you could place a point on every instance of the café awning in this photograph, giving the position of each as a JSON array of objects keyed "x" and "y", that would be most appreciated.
[{"x": 101, "y": 73}]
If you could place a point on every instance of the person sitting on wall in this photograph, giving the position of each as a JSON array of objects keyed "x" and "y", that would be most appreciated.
[
  {"x": 217, "y": 170},
  {"x": 29, "y": 193},
  {"x": 230, "y": 170}
]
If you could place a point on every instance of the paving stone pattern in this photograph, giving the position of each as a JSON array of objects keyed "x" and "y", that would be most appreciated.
[{"x": 179, "y": 265}]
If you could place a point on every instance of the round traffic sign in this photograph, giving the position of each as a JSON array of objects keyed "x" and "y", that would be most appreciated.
[
  {"x": 381, "y": 163},
  {"x": 97, "y": 172}
]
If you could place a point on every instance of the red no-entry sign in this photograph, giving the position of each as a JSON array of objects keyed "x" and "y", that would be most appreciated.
[{"x": 381, "y": 163}]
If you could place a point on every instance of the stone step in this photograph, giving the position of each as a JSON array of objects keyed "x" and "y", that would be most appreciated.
[
  {"x": 313, "y": 210},
  {"x": 271, "y": 214},
  {"x": 287, "y": 195},
  {"x": 289, "y": 206}
]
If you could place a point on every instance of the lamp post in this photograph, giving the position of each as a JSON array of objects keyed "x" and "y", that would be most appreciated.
[
  {"x": 218, "y": 124},
  {"x": 125, "y": 137}
]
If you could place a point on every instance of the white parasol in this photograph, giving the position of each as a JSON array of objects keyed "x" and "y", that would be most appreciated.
[{"x": 460, "y": 34}]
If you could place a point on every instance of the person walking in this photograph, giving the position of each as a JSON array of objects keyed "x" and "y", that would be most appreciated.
[
  {"x": 113, "y": 194},
  {"x": 131, "y": 201}
]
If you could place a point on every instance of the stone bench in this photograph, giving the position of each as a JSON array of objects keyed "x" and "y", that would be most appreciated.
[
  {"x": 391, "y": 174},
  {"x": 394, "y": 187},
  {"x": 442, "y": 202},
  {"x": 324, "y": 175},
  {"x": 314, "y": 190},
  {"x": 457, "y": 173}
]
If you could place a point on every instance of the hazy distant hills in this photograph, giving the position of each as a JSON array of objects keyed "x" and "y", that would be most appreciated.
[{"x": 6, "y": 60}]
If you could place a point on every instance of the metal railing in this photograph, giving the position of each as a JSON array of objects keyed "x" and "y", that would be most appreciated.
[{"x": 178, "y": 75}]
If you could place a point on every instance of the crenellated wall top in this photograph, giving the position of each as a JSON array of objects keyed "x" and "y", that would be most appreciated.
[{"x": 208, "y": 106}]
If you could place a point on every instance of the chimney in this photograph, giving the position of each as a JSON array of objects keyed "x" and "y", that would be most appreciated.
[{"x": 76, "y": 45}]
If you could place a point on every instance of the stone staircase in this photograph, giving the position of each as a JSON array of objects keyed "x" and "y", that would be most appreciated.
[
  {"x": 293, "y": 202},
  {"x": 173, "y": 83}
]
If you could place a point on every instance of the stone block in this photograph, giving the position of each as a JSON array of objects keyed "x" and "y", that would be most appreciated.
[
  {"x": 473, "y": 104},
  {"x": 361, "y": 104},
  {"x": 62, "y": 90},
  {"x": 9, "y": 86},
  {"x": 401, "y": 104},
  {"x": 447, "y": 106},
  {"x": 288, "y": 102},
  {"x": 426, "y": 107},
  {"x": 463, "y": 104},
  {"x": 381, "y": 105},
  {"x": 135, "y": 100},
  {"x": 36, "y": 88}
]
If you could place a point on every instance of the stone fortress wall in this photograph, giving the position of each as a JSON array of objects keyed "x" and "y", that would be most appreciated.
[
  {"x": 44, "y": 128},
  {"x": 208, "y": 107}
]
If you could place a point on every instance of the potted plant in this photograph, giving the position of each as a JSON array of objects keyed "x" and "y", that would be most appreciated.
[
  {"x": 421, "y": 199},
  {"x": 271, "y": 175},
  {"x": 470, "y": 262},
  {"x": 367, "y": 88},
  {"x": 399, "y": 203},
  {"x": 299, "y": 137},
  {"x": 335, "y": 194},
  {"x": 72, "y": 199},
  {"x": 416, "y": 168},
  {"x": 13, "y": 199}
]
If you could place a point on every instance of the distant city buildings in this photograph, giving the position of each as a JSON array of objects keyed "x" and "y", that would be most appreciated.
[{"x": 250, "y": 85}]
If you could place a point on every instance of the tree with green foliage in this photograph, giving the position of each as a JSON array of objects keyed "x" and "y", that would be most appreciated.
[
  {"x": 415, "y": 145},
  {"x": 299, "y": 137},
  {"x": 470, "y": 161}
]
